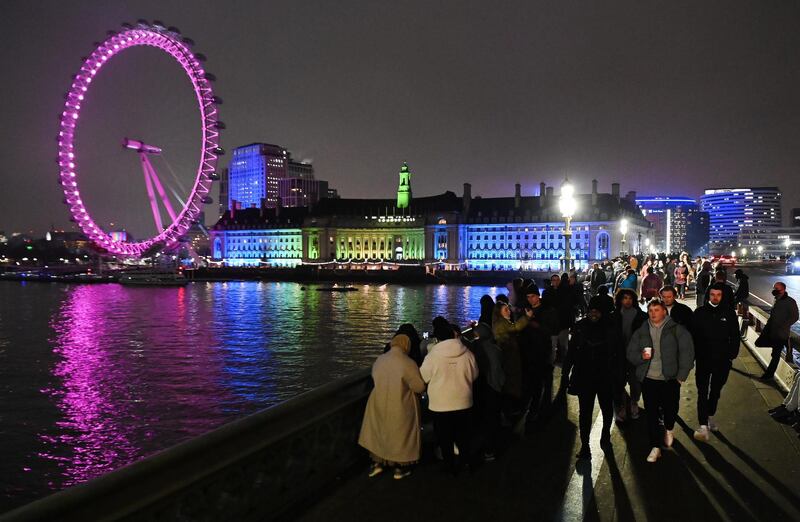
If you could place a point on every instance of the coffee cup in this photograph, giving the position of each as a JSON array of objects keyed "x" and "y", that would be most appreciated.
[{"x": 647, "y": 353}]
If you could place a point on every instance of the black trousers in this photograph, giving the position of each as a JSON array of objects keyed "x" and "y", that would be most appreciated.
[
  {"x": 710, "y": 379},
  {"x": 777, "y": 351},
  {"x": 660, "y": 397},
  {"x": 604, "y": 392},
  {"x": 453, "y": 427}
]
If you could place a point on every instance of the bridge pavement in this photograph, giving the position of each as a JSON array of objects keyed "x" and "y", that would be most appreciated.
[{"x": 750, "y": 470}]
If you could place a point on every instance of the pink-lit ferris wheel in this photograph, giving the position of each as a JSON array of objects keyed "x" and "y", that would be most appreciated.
[{"x": 171, "y": 42}]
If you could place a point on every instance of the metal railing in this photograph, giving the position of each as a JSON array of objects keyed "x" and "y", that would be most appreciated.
[{"x": 256, "y": 468}]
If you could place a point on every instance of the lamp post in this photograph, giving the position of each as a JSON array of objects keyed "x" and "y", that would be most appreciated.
[
  {"x": 623, "y": 229},
  {"x": 567, "y": 205},
  {"x": 786, "y": 244},
  {"x": 647, "y": 245}
]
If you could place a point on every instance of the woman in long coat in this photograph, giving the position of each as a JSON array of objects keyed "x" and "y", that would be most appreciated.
[{"x": 391, "y": 427}]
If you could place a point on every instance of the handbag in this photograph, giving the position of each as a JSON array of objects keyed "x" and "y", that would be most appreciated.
[{"x": 764, "y": 340}]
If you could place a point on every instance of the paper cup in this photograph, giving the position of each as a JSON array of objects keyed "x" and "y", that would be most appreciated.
[{"x": 647, "y": 353}]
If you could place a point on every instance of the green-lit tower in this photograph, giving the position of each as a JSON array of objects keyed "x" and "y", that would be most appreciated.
[{"x": 404, "y": 189}]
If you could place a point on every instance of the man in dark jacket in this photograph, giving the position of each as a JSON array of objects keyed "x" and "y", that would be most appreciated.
[
  {"x": 597, "y": 278},
  {"x": 537, "y": 353},
  {"x": 728, "y": 300},
  {"x": 678, "y": 312},
  {"x": 626, "y": 319},
  {"x": 704, "y": 280},
  {"x": 781, "y": 318},
  {"x": 716, "y": 342},
  {"x": 592, "y": 358}
]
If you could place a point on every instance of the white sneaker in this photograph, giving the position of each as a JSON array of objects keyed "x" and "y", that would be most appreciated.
[
  {"x": 634, "y": 411},
  {"x": 655, "y": 454},
  {"x": 668, "y": 438},
  {"x": 701, "y": 433},
  {"x": 711, "y": 424}
]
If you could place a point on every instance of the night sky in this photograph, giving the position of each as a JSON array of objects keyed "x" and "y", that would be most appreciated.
[{"x": 666, "y": 98}]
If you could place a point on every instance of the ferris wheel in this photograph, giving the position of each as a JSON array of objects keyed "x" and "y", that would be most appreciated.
[{"x": 169, "y": 40}]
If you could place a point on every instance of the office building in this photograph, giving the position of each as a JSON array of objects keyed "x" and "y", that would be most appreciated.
[
  {"x": 669, "y": 216},
  {"x": 732, "y": 211}
]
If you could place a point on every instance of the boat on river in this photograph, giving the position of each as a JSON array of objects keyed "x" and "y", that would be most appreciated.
[
  {"x": 335, "y": 288},
  {"x": 153, "y": 279}
]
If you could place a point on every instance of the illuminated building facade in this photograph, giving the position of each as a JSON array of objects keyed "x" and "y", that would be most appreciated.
[
  {"x": 670, "y": 217},
  {"x": 514, "y": 233},
  {"x": 732, "y": 211},
  {"x": 253, "y": 175}
]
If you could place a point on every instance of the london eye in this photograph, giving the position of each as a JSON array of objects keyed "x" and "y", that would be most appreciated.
[{"x": 171, "y": 231}]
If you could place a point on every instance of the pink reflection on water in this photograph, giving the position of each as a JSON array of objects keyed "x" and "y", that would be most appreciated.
[{"x": 136, "y": 373}]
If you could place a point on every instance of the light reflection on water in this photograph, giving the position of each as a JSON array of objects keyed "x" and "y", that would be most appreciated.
[{"x": 97, "y": 376}]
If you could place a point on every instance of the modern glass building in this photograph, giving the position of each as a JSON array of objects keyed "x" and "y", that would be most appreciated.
[
  {"x": 670, "y": 218},
  {"x": 253, "y": 175},
  {"x": 735, "y": 210}
]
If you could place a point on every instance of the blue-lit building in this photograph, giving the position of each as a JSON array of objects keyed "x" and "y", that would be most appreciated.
[
  {"x": 732, "y": 211},
  {"x": 259, "y": 237},
  {"x": 474, "y": 233},
  {"x": 254, "y": 173},
  {"x": 672, "y": 220}
]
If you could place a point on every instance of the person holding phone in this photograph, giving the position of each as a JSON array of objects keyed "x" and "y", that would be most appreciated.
[{"x": 663, "y": 353}]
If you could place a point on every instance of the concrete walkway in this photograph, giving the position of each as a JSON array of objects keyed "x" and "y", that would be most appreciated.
[{"x": 750, "y": 470}]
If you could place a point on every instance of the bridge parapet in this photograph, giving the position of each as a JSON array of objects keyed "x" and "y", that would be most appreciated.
[{"x": 255, "y": 468}]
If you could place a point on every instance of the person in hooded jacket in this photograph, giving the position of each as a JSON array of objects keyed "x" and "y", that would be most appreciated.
[
  {"x": 592, "y": 354},
  {"x": 506, "y": 335},
  {"x": 663, "y": 353},
  {"x": 728, "y": 293},
  {"x": 626, "y": 319},
  {"x": 390, "y": 430},
  {"x": 415, "y": 353},
  {"x": 450, "y": 371},
  {"x": 716, "y": 342},
  {"x": 630, "y": 281}
]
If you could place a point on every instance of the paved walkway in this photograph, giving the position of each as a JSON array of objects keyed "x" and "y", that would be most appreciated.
[{"x": 750, "y": 470}]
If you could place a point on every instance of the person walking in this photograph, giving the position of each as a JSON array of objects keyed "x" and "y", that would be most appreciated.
[
  {"x": 627, "y": 318},
  {"x": 781, "y": 318},
  {"x": 742, "y": 298},
  {"x": 663, "y": 353},
  {"x": 716, "y": 342},
  {"x": 597, "y": 278},
  {"x": 630, "y": 281},
  {"x": 390, "y": 430},
  {"x": 703, "y": 281},
  {"x": 679, "y": 312},
  {"x": 651, "y": 284},
  {"x": 450, "y": 370},
  {"x": 728, "y": 294},
  {"x": 681, "y": 275},
  {"x": 592, "y": 357}
]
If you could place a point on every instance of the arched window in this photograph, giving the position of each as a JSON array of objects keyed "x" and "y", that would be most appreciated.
[{"x": 603, "y": 242}]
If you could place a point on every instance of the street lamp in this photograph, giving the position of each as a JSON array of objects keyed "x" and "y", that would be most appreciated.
[
  {"x": 567, "y": 206},
  {"x": 623, "y": 229}
]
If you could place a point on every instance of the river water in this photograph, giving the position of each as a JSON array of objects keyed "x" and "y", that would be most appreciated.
[{"x": 93, "y": 377}]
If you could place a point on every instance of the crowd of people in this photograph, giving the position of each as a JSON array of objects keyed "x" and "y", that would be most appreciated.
[{"x": 497, "y": 374}]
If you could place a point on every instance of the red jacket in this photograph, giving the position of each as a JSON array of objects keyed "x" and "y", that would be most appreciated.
[{"x": 651, "y": 285}]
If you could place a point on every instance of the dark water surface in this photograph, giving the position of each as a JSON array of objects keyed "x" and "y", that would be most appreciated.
[{"x": 93, "y": 377}]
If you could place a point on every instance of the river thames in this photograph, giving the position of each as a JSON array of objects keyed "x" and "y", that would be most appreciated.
[{"x": 93, "y": 377}]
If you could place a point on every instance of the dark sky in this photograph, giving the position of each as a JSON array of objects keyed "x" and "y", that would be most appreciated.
[{"x": 664, "y": 97}]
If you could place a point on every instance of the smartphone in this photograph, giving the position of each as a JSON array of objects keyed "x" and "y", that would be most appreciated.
[{"x": 424, "y": 335}]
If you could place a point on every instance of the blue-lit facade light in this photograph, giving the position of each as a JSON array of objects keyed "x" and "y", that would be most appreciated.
[{"x": 280, "y": 248}]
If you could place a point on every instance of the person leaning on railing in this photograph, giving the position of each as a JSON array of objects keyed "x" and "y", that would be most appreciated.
[{"x": 390, "y": 430}]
